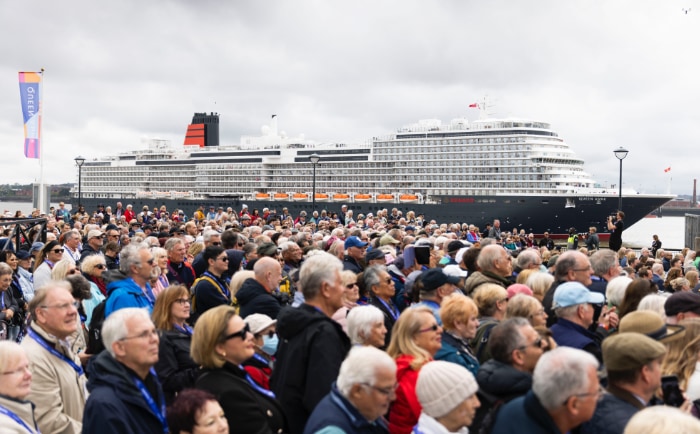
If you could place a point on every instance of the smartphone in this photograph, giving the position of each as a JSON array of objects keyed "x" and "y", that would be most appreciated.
[
  {"x": 409, "y": 256},
  {"x": 423, "y": 255},
  {"x": 672, "y": 393}
]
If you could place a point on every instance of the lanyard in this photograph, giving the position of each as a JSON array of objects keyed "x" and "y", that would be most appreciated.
[
  {"x": 17, "y": 419},
  {"x": 392, "y": 309},
  {"x": 186, "y": 330},
  {"x": 176, "y": 274},
  {"x": 270, "y": 394},
  {"x": 261, "y": 359},
  {"x": 53, "y": 351},
  {"x": 160, "y": 413},
  {"x": 2, "y": 298},
  {"x": 224, "y": 289}
]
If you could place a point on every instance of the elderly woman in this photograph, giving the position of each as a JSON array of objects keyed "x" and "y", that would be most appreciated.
[
  {"x": 460, "y": 319},
  {"x": 615, "y": 290},
  {"x": 92, "y": 267},
  {"x": 50, "y": 254},
  {"x": 540, "y": 284},
  {"x": 492, "y": 301},
  {"x": 382, "y": 289},
  {"x": 682, "y": 358},
  {"x": 175, "y": 366},
  {"x": 63, "y": 268},
  {"x": 366, "y": 326},
  {"x": 159, "y": 279},
  {"x": 528, "y": 307},
  {"x": 221, "y": 343},
  {"x": 264, "y": 333},
  {"x": 16, "y": 414},
  {"x": 351, "y": 295},
  {"x": 9, "y": 306},
  {"x": 196, "y": 412},
  {"x": 417, "y": 338}
]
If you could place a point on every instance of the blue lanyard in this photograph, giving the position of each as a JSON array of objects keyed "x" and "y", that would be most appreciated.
[
  {"x": 2, "y": 298},
  {"x": 186, "y": 330},
  {"x": 261, "y": 359},
  {"x": 270, "y": 394},
  {"x": 160, "y": 413},
  {"x": 416, "y": 430},
  {"x": 17, "y": 419},
  {"x": 224, "y": 289},
  {"x": 392, "y": 309},
  {"x": 53, "y": 351}
]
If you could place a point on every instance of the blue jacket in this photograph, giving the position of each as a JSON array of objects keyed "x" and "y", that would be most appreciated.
[
  {"x": 524, "y": 415},
  {"x": 126, "y": 293},
  {"x": 569, "y": 334},
  {"x": 336, "y": 411},
  {"x": 453, "y": 351},
  {"x": 612, "y": 412}
]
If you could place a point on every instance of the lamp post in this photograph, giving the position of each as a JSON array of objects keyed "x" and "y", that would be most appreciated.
[
  {"x": 314, "y": 158},
  {"x": 79, "y": 162},
  {"x": 620, "y": 153}
]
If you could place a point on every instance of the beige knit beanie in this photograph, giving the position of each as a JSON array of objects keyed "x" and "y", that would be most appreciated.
[{"x": 442, "y": 386}]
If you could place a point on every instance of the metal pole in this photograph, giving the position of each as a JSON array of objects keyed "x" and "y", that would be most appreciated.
[
  {"x": 80, "y": 193},
  {"x": 313, "y": 194},
  {"x": 619, "y": 202}
]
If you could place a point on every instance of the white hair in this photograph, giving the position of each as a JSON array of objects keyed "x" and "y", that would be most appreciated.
[
  {"x": 361, "y": 320},
  {"x": 615, "y": 290},
  {"x": 317, "y": 269},
  {"x": 655, "y": 303},
  {"x": 130, "y": 255},
  {"x": 560, "y": 374},
  {"x": 360, "y": 367},
  {"x": 662, "y": 419},
  {"x": 114, "y": 328}
]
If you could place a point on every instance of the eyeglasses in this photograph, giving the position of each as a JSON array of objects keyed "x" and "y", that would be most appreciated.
[
  {"x": 57, "y": 250},
  {"x": 146, "y": 334},
  {"x": 216, "y": 243},
  {"x": 432, "y": 328},
  {"x": 536, "y": 344},
  {"x": 387, "y": 391},
  {"x": 223, "y": 258},
  {"x": 351, "y": 285},
  {"x": 72, "y": 271},
  {"x": 239, "y": 334},
  {"x": 389, "y": 280},
  {"x": 100, "y": 266},
  {"x": 64, "y": 306},
  {"x": 182, "y": 301},
  {"x": 151, "y": 261},
  {"x": 598, "y": 394},
  {"x": 240, "y": 244}
]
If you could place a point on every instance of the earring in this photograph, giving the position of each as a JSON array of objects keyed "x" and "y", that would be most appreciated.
[{"x": 223, "y": 354}]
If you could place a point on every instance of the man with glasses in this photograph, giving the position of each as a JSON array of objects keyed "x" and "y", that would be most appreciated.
[
  {"x": 211, "y": 288},
  {"x": 58, "y": 383},
  {"x": 95, "y": 239},
  {"x": 71, "y": 246},
  {"x": 571, "y": 266},
  {"x": 132, "y": 290},
  {"x": 125, "y": 393},
  {"x": 255, "y": 295}
]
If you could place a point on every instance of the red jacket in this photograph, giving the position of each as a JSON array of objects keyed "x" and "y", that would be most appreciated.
[{"x": 405, "y": 410}]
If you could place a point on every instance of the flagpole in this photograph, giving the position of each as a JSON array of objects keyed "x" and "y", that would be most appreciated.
[{"x": 41, "y": 144}]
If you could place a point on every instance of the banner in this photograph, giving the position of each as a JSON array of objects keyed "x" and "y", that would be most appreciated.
[{"x": 29, "y": 87}]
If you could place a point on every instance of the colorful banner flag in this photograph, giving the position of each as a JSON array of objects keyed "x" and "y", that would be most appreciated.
[
  {"x": 668, "y": 169},
  {"x": 29, "y": 87},
  {"x": 474, "y": 105}
]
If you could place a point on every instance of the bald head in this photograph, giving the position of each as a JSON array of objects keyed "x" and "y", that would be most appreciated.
[
  {"x": 573, "y": 266},
  {"x": 268, "y": 272},
  {"x": 494, "y": 258}
]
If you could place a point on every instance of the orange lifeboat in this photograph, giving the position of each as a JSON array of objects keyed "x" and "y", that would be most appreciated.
[
  {"x": 340, "y": 197},
  {"x": 321, "y": 197},
  {"x": 385, "y": 197},
  {"x": 363, "y": 197},
  {"x": 263, "y": 196},
  {"x": 281, "y": 196},
  {"x": 300, "y": 196},
  {"x": 408, "y": 198}
]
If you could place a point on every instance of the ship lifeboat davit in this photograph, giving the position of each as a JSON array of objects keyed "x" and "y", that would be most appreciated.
[
  {"x": 321, "y": 197},
  {"x": 363, "y": 197},
  {"x": 300, "y": 197},
  {"x": 339, "y": 197},
  {"x": 281, "y": 196},
  {"x": 262, "y": 196},
  {"x": 408, "y": 198},
  {"x": 385, "y": 197}
]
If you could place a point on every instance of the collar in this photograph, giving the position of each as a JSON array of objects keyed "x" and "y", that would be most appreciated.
[
  {"x": 354, "y": 416},
  {"x": 627, "y": 396}
]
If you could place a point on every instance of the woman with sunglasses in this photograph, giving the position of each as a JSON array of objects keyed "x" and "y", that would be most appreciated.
[
  {"x": 175, "y": 366},
  {"x": 221, "y": 343},
  {"x": 350, "y": 297},
  {"x": 211, "y": 289},
  {"x": 93, "y": 267},
  {"x": 416, "y": 339},
  {"x": 45, "y": 261}
]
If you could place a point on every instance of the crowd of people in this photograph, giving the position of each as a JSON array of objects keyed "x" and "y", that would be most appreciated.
[{"x": 252, "y": 322}]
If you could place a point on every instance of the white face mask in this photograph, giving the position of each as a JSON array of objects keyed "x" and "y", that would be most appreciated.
[{"x": 270, "y": 344}]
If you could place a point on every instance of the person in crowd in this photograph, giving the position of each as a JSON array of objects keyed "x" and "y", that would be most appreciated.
[
  {"x": 24, "y": 274},
  {"x": 633, "y": 365},
  {"x": 360, "y": 397},
  {"x": 492, "y": 301},
  {"x": 58, "y": 383},
  {"x": 615, "y": 289},
  {"x": 125, "y": 393},
  {"x": 460, "y": 319},
  {"x": 130, "y": 287},
  {"x": 495, "y": 266},
  {"x": 433, "y": 286},
  {"x": 350, "y": 298},
  {"x": 415, "y": 341},
  {"x": 528, "y": 307},
  {"x": 635, "y": 292},
  {"x": 571, "y": 266},
  {"x": 565, "y": 390},
  {"x": 16, "y": 289},
  {"x": 71, "y": 246},
  {"x": 657, "y": 271},
  {"x": 10, "y": 311},
  {"x": 264, "y": 330},
  {"x": 95, "y": 239},
  {"x": 210, "y": 237},
  {"x": 661, "y": 420},
  {"x": 211, "y": 288},
  {"x": 255, "y": 295},
  {"x": 196, "y": 412},
  {"x": 63, "y": 268},
  {"x": 447, "y": 395},
  {"x": 312, "y": 345},
  {"x": 539, "y": 283},
  {"x": 93, "y": 268},
  {"x": 366, "y": 326},
  {"x": 175, "y": 365},
  {"x": 354, "y": 254},
  {"x": 16, "y": 412},
  {"x": 292, "y": 255},
  {"x": 111, "y": 252},
  {"x": 682, "y": 305},
  {"x": 682, "y": 357},
  {"x": 382, "y": 289},
  {"x": 179, "y": 271},
  {"x": 159, "y": 275},
  {"x": 222, "y": 341},
  {"x": 50, "y": 254}
]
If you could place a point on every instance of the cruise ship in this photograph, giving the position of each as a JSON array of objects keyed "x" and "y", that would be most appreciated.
[{"x": 518, "y": 171}]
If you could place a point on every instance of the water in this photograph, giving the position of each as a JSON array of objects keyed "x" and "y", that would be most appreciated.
[{"x": 25, "y": 207}]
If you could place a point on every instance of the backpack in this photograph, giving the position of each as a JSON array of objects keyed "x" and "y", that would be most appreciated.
[
  {"x": 480, "y": 341},
  {"x": 485, "y": 416},
  {"x": 94, "y": 344}
]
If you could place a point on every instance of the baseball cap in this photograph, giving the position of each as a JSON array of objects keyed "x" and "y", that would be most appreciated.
[
  {"x": 630, "y": 351},
  {"x": 454, "y": 270},
  {"x": 680, "y": 302},
  {"x": 454, "y": 246},
  {"x": 95, "y": 234},
  {"x": 36, "y": 246},
  {"x": 22, "y": 254},
  {"x": 259, "y": 322},
  {"x": 354, "y": 242},
  {"x": 573, "y": 293},
  {"x": 374, "y": 254},
  {"x": 388, "y": 239},
  {"x": 435, "y": 278}
]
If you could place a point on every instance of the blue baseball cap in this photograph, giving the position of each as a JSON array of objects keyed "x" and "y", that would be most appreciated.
[
  {"x": 573, "y": 293},
  {"x": 354, "y": 242}
]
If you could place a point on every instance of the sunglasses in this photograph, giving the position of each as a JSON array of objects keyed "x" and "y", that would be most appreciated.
[
  {"x": 72, "y": 271},
  {"x": 57, "y": 250},
  {"x": 100, "y": 266},
  {"x": 239, "y": 334},
  {"x": 351, "y": 285},
  {"x": 215, "y": 244},
  {"x": 432, "y": 328},
  {"x": 224, "y": 258}
]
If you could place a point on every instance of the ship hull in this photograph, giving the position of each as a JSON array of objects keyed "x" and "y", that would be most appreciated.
[{"x": 536, "y": 214}]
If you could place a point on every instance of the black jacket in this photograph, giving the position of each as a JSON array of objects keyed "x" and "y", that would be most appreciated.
[
  {"x": 388, "y": 318},
  {"x": 175, "y": 367},
  {"x": 351, "y": 264},
  {"x": 312, "y": 347},
  {"x": 499, "y": 383},
  {"x": 247, "y": 410},
  {"x": 207, "y": 295},
  {"x": 115, "y": 404},
  {"x": 613, "y": 411},
  {"x": 254, "y": 298}
]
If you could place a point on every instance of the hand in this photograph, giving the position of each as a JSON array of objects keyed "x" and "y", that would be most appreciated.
[
  {"x": 9, "y": 313},
  {"x": 608, "y": 317}
]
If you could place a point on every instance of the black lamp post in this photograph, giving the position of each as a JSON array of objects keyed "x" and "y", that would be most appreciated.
[
  {"x": 620, "y": 153},
  {"x": 314, "y": 158},
  {"x": 79, "y": 162}
]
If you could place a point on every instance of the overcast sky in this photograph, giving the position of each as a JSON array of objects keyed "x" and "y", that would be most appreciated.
[{"x": 603, "y": 73}]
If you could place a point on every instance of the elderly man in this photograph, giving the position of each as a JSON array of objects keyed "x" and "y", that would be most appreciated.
[
  {"x": 657, "y": 276},
  {"x": 210, "y": 238},
  {"x": 495, "y": 231},
  {"x": 71, "y": 246},
  {"x": 605, "y": 268},
  {"x": 682, "y": 305},
  {"x": 436, "y": 286},
  {"x": 58, "y": 384},
  {"x": 95, "y": 239},
  {"x": 382, "y": 290},
  {"x": 633, "y": 363},
  {"x": 211, "y": 289},
  {"x": 361, "y": 396},
  {"x": 292, "y": 255},
  {"x": 312, "y": 346},
  {"x": 528, "y": 259},
  {"x": 132, "y": 288},
  {"x": 571, "y": 266},
  {"x": 565, "y": 390},
  {"x": 354, "y": 253},
  {"x": 125, "y": 394},
  {"x": 255, "y": 295},
  {"x": 495, "y": 266},
  {"x": 179, "y": 271}
]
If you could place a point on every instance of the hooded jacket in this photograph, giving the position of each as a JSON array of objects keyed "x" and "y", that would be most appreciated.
[
  {"x": 116, "y": 404},
  {"x": 479, "y": 278},
  {"x": 254, "y": 298},
  {"x": 126, "y": 293},
  {"x": 311, "y": 349}
]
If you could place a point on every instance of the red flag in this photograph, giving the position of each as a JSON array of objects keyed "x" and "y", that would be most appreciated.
[
  {"x": 668, "y": 169},
  {"x": 474, "y": 105}
]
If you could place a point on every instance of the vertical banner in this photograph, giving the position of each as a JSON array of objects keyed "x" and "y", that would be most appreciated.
[{"x": 29, "y": 88}]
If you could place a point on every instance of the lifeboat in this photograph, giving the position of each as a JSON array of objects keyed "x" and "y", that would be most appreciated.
[
  {"x": 338, "y": 197},
  {"x": 300, "y": 196},
  {"x": 321, "y": 197},
  {"x": 408, "y": 198},
  {"x": 262, "y": 196},
  {"x": 281, "y": 196},
  {"x": 363, "y": 197},
  {"x": 385, "y": 197}
]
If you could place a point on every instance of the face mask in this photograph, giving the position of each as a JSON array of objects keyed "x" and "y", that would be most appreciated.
[{"x": 270, "y": 344}]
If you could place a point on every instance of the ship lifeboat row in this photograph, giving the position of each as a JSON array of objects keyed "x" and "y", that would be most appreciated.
[
  {"x": 165, "y": 194},
  {"x": 341, "y": 197}
]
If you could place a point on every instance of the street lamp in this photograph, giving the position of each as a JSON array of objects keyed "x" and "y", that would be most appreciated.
[
  {"x": 620, "y": 153},
  {"x": 314, "y": 158},
  {"x": 79, "y": 162}
]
